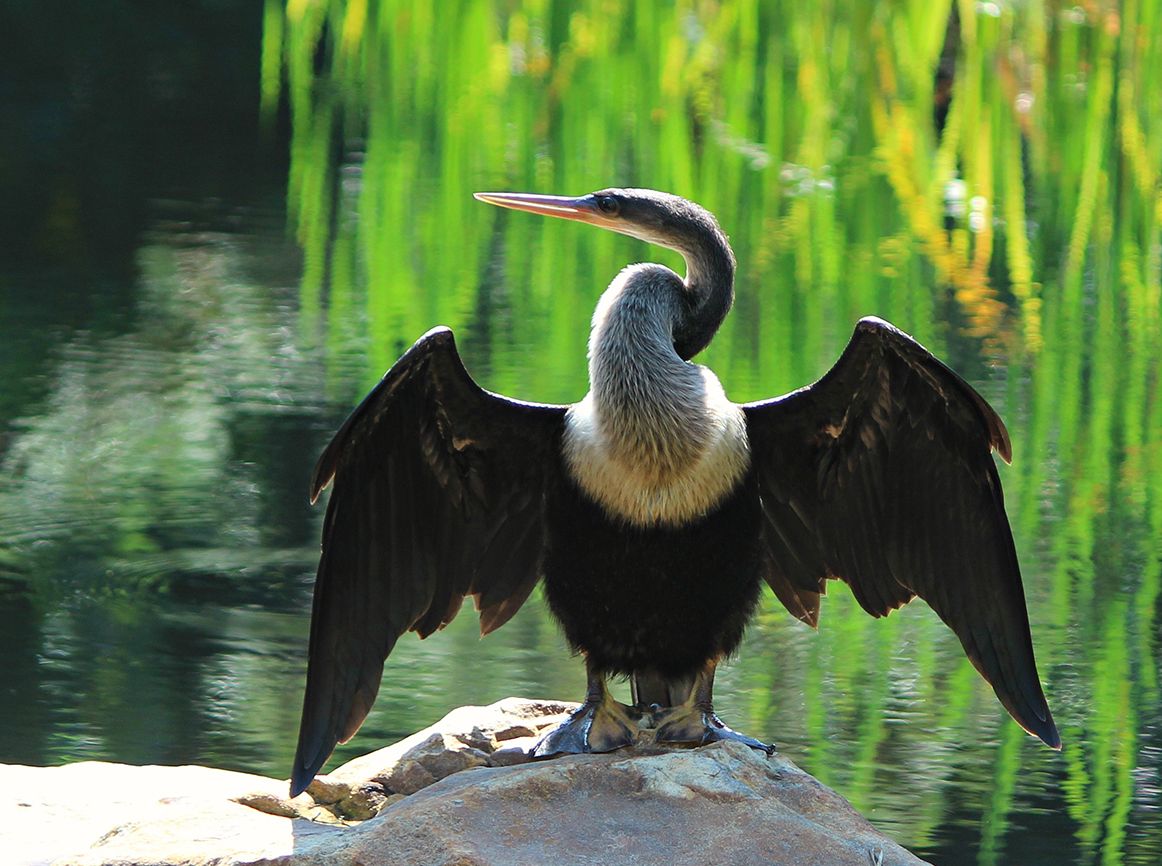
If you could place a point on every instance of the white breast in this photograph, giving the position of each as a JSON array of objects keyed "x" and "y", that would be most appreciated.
[{"x": 651, "y": 465}]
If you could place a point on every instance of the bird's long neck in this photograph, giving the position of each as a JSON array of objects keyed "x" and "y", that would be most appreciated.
[
  {"x": 647, "y": 402},
  {"x": 709, "y": 288},
  {"x": 656, "y": 441}
]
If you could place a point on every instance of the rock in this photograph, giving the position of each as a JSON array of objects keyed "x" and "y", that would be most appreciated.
[
  {"x": 437, "y": 757},
  {"x": 467, "y": 737},
  {"x": 462, "y": 792},
  {"x": 512, "y": 755},
  {"x": 464, "y": 738},
  {"x": 94, "y": 812},
  {"x": 363, "y": 802},
  {"x": 325, "y": 790},
  {"x": 724, "y": 803}
]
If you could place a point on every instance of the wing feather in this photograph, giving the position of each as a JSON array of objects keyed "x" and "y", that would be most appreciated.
[
  {"x": 438, "y": 494},
  {"x": 881, "y": 474}
]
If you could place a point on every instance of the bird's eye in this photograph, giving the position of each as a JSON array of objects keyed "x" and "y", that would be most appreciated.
[{"x": 607, "y": 204}]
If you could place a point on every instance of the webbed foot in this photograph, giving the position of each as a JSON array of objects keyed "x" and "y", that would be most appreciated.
[
  {"x": 693, "y": 721},
  {"x": 601, "y": 724},
  {"x": 695, "y": 725}
]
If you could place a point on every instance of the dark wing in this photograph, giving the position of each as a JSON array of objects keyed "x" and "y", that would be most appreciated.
[
  {"x": 439, "y": 487},
  {"x": 881, "y": 474}
]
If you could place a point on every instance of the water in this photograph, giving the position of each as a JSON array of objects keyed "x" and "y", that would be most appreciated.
[{"x": 217, "y": 237}]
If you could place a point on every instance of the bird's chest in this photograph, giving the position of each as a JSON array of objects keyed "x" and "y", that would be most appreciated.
[
  {"x": 659, "y": 597},
  {"x": 657, "y": 468}
]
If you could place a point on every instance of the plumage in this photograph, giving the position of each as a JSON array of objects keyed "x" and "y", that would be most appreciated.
[
  {"x": 880, "y": 474},
  {"x": 438, "y": 494},
  {"x": 655, "y": 508}
]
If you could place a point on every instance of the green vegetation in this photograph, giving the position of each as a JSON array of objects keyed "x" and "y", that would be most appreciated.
[
  {"x": 1022, "y": 240},
  {"x": 987, "y": 175}
]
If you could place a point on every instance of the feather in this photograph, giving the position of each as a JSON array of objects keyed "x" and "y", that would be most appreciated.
[
  {"x": 880, "y": 474},
  {"x": 433, "y": 476}
]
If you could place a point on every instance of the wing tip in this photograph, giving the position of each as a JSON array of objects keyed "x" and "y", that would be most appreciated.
[
  {"x": 302, "y": 775},
  {"x": 1047, "y": 733},
  {"x": 299, "y": 783},
  {"x": 1049, "y": 737},
  {"x": 1036, "y": 719}
]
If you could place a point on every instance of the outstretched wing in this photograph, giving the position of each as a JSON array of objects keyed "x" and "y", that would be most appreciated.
[
  {"x": 881, "y": 474},
  {"x": 438, "y": 494}
]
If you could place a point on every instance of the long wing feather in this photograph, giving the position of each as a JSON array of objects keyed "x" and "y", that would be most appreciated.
[
  {"x": 438, "y": 492},
  {"x": 880, "y": 474}
]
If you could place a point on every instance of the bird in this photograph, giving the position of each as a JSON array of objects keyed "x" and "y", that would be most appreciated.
[{"x": 654, "y": 510}]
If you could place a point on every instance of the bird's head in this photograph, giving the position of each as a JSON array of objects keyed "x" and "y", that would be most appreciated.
[
  {"x": 648, "y": 215},
  {"x": 657, "y": 218}
]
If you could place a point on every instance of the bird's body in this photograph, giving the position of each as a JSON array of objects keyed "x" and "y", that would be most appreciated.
[
  {"x": 652, "y": 555},
  {"x": 652, "y": 599},
  {"x": 655, "y": 508}
]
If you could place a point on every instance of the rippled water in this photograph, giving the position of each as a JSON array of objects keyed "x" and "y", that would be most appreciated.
[{"x": 208, "y": 261}]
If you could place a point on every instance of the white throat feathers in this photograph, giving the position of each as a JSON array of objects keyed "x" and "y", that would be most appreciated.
[{"x": 655, "y": 441}]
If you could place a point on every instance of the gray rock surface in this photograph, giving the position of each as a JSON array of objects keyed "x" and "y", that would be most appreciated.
[
  {"x": 721, "y": 804},
  {"x": 461, "y": 793}
]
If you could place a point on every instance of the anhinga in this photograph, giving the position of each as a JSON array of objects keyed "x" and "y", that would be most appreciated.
[{"x": 655, "y": 508}]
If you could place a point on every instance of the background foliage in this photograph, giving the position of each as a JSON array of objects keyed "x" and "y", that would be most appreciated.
[{"x": 191, "y": 305}]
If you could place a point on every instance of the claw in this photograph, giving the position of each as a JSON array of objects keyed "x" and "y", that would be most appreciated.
[{"x": 717, "y": 731}]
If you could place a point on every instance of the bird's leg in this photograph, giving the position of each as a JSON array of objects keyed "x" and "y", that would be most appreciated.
[
  {"x": 601, "y": 724},
  {"x": 693, "y": 721}
]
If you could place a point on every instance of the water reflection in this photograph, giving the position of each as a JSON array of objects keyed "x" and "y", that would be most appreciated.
[
  {"x": 809, "y": 132},
  {"x": 160, "y": 415}
]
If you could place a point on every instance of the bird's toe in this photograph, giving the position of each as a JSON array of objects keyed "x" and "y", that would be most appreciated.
[
  {"x": 695, "y": 726},
  {"x": 595, "y": 726}
]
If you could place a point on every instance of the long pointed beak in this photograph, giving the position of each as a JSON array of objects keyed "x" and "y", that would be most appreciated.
[{"x": 583, "y": 209}]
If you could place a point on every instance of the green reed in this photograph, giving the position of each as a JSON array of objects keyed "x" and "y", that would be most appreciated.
[{"x": 1023, "y": 240}]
